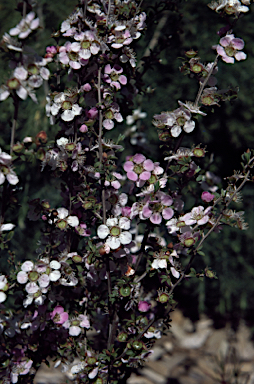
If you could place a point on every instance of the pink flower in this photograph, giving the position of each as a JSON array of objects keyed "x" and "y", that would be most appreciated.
[
  {"x": 83, "y": 128},
  {"x": 92, "y": 113},
  {"x": 157, "y": 208},
  {"x": 144, "y": 306},
  {"x": 58, "y": 315},
  {"x": 207, "y": 196},
  {"x": 140, "y": 169},
  {"x": 68, "y": 55},
  {"x": 230, "y": 49},
  {"x": 113, "y": 76}
]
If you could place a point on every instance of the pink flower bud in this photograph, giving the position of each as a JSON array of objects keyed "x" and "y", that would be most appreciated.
[
  {"x": 83, "y": 128},
  {"x": 143, "y": 306},
  {"x": 207, "y": 197},
  {"x": 92, "y": 113},
  {"x": 87, "y": 87}
]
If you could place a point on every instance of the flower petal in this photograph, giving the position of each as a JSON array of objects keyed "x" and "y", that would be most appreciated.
[{"x": 102, "y": 231}]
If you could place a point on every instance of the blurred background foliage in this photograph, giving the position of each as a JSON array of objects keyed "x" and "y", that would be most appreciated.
[{"x": 175, "y": 27}]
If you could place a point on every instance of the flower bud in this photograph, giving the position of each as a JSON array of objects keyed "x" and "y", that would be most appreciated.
[
  {"x": 122, "y": 337},
  {"x": 125, "y": 291},
  {"x": 137, "y": 345},
  {"x": 191, "y": 53},
  {"x": 91, "y": 360},
  {"x": 163, "y": 298}
]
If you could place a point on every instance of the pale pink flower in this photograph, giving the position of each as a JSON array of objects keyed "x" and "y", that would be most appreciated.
[
  {"x": 177, "y": 120},
  {"x": 25, "y": 26},
  {"x": 69, "y": 55},
  {"x": 159, "y": 263},
  {"x": 89, "y": 44},
  {"x": 230, "y": 49},
  {"x": 113, "y": 76},
  {"x": 21, "y": 368},
  {"x": 7, "y": 227},
  {"x": 75, "y": 325},
  {"x": 198, "y": 215}
]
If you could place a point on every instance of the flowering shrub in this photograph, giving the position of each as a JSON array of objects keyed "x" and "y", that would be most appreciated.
[{"x": 114, "y": 232}]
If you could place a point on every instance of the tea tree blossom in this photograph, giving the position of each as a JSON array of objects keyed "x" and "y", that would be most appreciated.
[
  {"x": 69, "y": 55},
  {"x": 230, "y": 49},
  {"x": 3, "y": 288},
  {"x": 74, "y": 325},
  {"x": 7, "y": 227},
  {"x": 63, "y": 219},
  {"x": 207, "y": 196},
  {"x": 64, "y": 102},
  {"x": 230, "y": 6},
  {"x": 113, "y": 76},
  {"x": 89, "y": 44},
  {"x": 159, "y": 263},
  {"x": 140, "y": 169},
  {"x": 176, "y": 121},
  {"x": 58, "y": 315},
  {"x": 21, "y": 368},
  {"x": 198, "y": 215},
  {"x": 26, "y": 26},
  {"x": 17, "y": 83},
  {"x": 37, "y": 277},
  {"x": 6, "y": 171},
  {"x": 144, "y": 306},
  {"x": 156, "y": 207},
  {"x": 116, "y": 232}
]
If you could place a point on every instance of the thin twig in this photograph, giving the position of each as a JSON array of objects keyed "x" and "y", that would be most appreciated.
[
  {"x": 109, "y": 6},
  {"x": 14, "y": 122},
  {"x": 202, "y": 85}
]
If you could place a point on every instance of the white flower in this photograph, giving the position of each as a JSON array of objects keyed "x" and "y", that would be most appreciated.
[
  {"x": 136, "y": 114},
  {"x": 113, "y": 230},
  {"x": 63, "y": 215},
  {"x": 159, "y": 263},
  {"x": 3, "y": 297},
  {"x": 62, "y": 142},
  {"x": 26, "y": 26},
  {"x": 6, "y": 227}
]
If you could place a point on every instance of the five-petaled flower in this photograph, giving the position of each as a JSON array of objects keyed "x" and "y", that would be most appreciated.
[
  {"x": 230, "y": 49},
  {"x": 25, "y": 26},
  {"x": 116, "y": 232},
  {"x": 58, "y": 315}
]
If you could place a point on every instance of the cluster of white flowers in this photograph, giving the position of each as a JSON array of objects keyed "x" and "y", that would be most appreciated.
[
  {"x": 3, "y": 287},
  {"x": 24, "y": 80},
  {"x": 37, "y": 277},
  {"x": 230, "y": 6}
]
